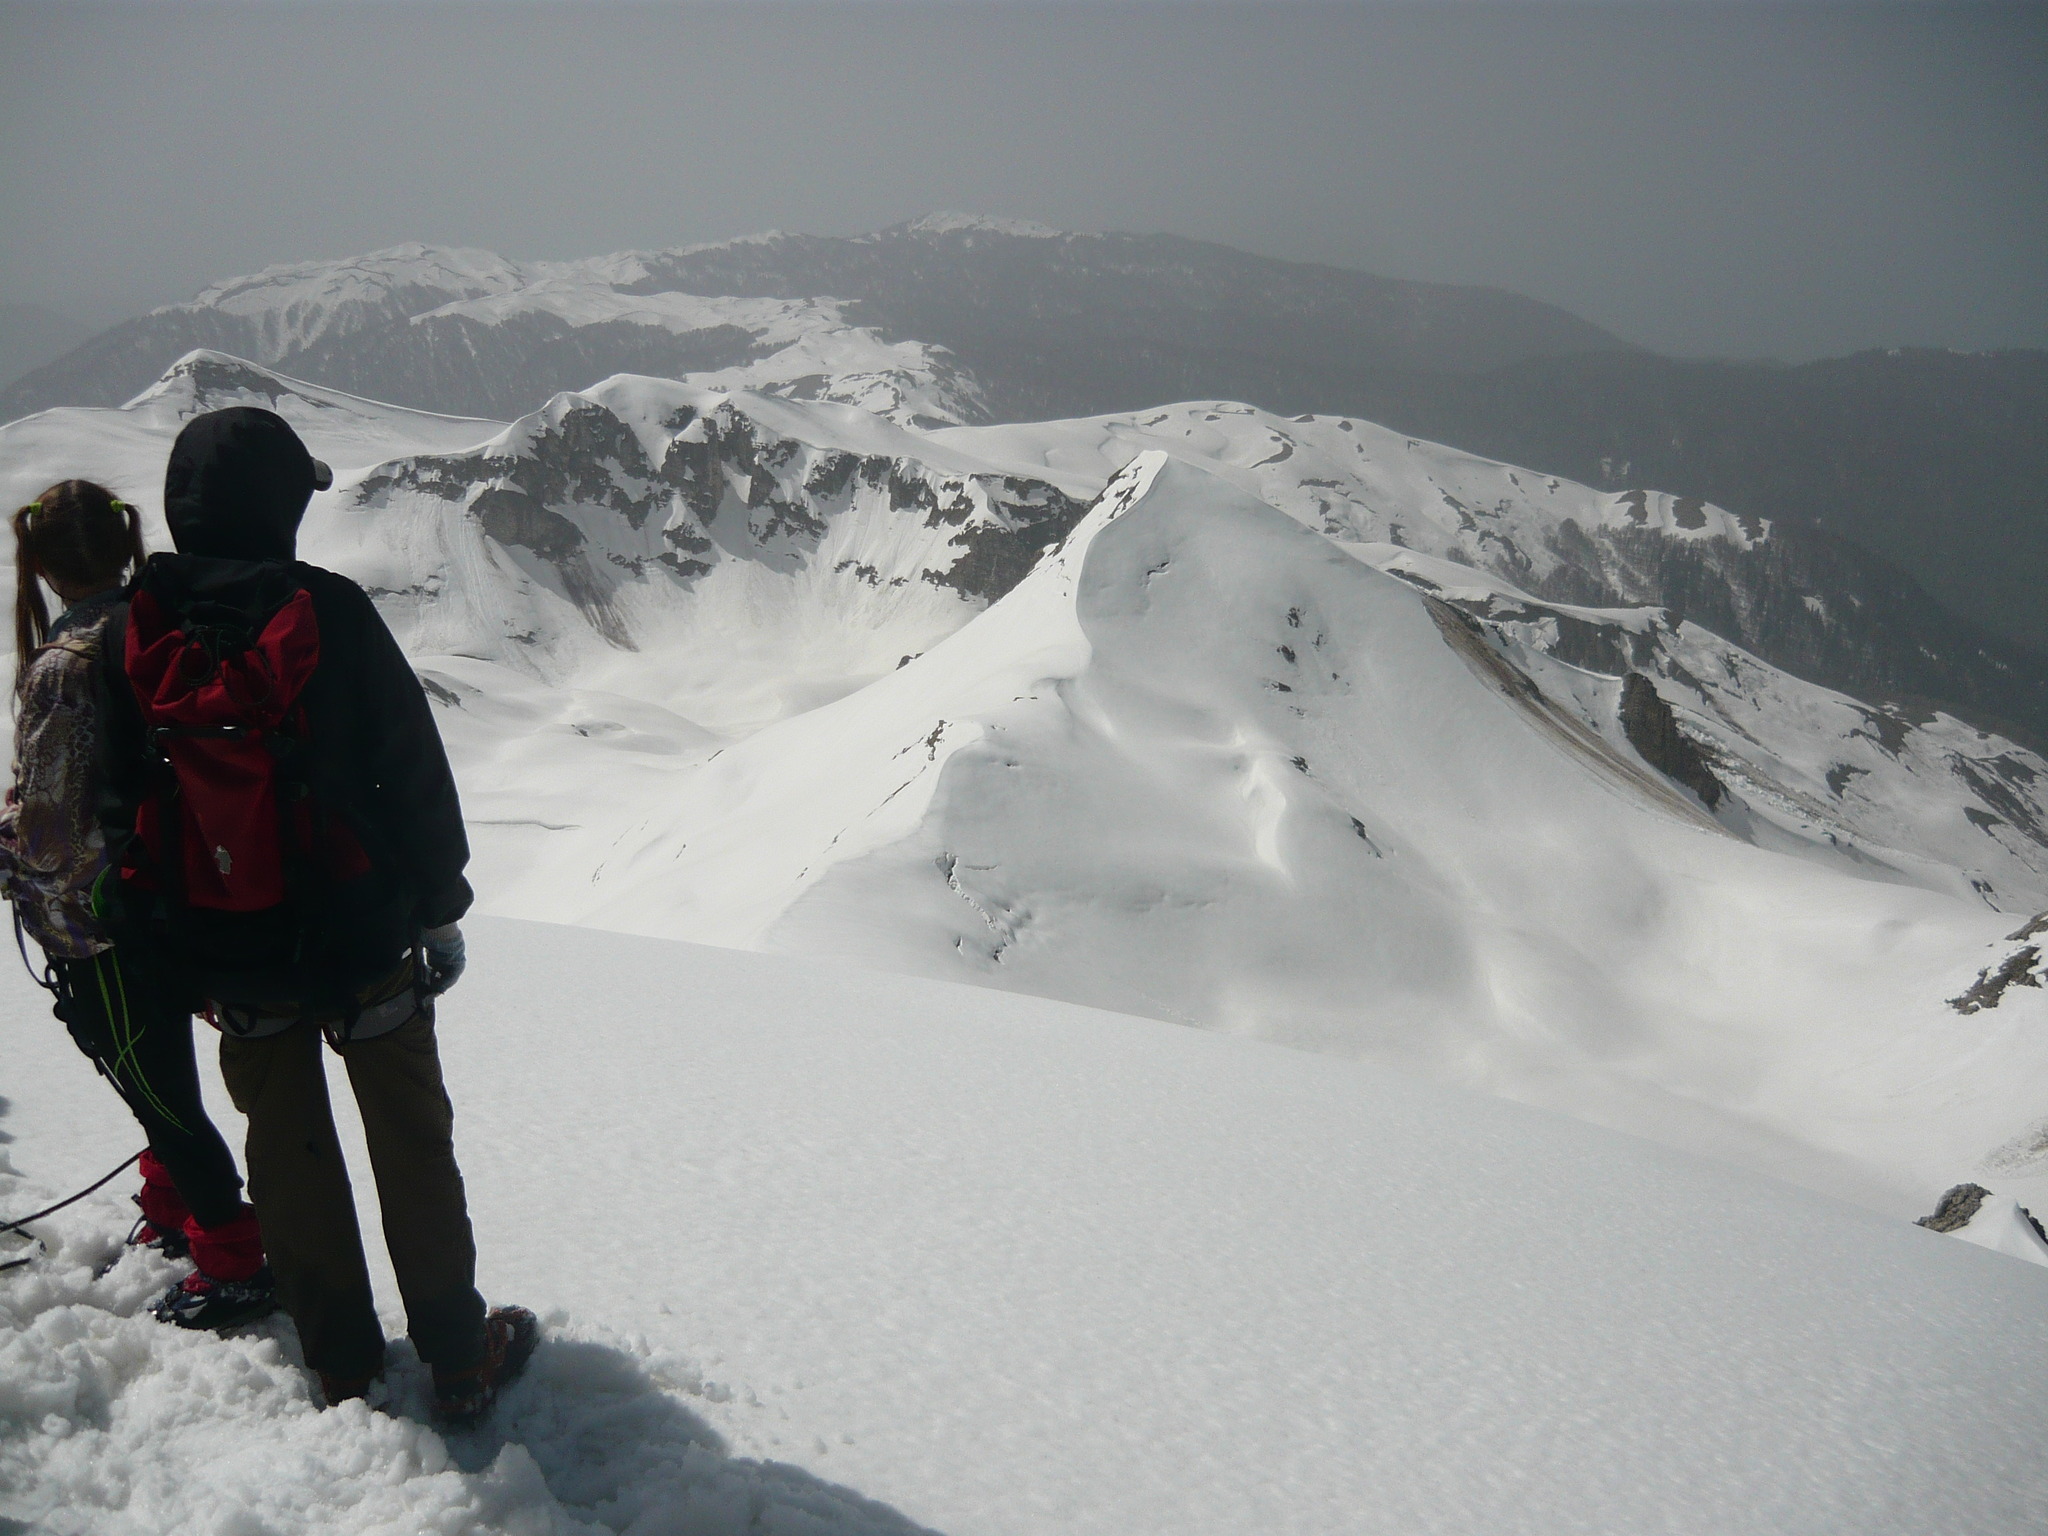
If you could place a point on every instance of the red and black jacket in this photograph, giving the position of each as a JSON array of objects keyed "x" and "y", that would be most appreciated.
[{"x": 361, "y": 735}]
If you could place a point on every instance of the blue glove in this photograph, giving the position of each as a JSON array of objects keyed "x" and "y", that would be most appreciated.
[{"x": 445, "y": 957}]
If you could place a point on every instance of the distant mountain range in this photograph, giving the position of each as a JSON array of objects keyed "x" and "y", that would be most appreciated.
[
  {"x": 1053, "y": 318},
  {"x": 1936, "y": 464}
]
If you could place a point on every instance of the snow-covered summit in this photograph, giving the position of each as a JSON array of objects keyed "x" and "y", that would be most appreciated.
[
  {"x": 295, "y": 306},
  {"x": 952, "y": 223},
  {"x": 444, "y": 329}
]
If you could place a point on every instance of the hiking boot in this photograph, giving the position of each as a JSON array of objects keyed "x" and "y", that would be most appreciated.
[
  {"x": 166, "y": 1240},
  {"x": 171, "y": 1245},
  {"x": 200, "y": 1301},
  {"x": 146, "y": 1234},
  {"x": 463, "y": 1397}
]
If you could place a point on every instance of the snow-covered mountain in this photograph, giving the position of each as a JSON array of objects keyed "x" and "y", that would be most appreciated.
[
  {"x": 868, "y": 321},
  {"x": 396, "y": 323},
  {"x": 469, "y": 331},
  {"x": 777, "y": 674},
  {"x": 841, "y": 1254}
]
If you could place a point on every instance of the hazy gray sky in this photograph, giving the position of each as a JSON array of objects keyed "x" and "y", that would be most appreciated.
[{"x": 1787, "y": 179}]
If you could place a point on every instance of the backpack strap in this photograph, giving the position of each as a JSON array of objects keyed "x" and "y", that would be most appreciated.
[{"x": 86, "y": 649}]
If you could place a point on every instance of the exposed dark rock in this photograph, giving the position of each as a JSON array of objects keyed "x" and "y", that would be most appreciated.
[
  {"x": 513, "y": 517},
  {"x": 831, "y": 475},
  {"x": 1840, "y": 775},
  {"x": 1959, "y": 1207},
  {"x": 585, "y": 459},
  {"x": 1988, "y": 990},
  {"x": 1997, "y": 783},
  {"x": 1610, "y": 649},
  {"x": 684, "y": 546},
  {"x": 1955, "y": 1210},
  {"x": 996, "y": 556},
  {"x": 1885, "y": 728},
  {"x": 1652, "y": 729}
]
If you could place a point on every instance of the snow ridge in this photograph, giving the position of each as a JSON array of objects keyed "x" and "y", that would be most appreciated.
[
  {"x": 948, "y": 223},
  {"x": 726, "y": 666}
]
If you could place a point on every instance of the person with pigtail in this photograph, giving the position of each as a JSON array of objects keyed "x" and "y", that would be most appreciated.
[{"x": 121, "y": 1006}]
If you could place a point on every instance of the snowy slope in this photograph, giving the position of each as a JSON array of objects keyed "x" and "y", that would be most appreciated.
[
  {"x": 1557, "y": 566},
  {"x": 1206, "y": 766},
  {"x": 735, "y": 558},
  {"x": 724, "y": 667},
  {"x": 1360, "y": 483},
  {"x": 126, "y": 448},
  {"x": 849, "y": 1255},
  {"x": 1778, "y": 590},
  {"x": 729, "y": 556}
]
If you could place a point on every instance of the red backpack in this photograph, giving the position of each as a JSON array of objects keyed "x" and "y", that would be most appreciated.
[{"x": 233, "y": 824}]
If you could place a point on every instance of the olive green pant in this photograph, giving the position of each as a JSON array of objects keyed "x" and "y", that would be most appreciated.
[{"x": 299, "y": 1185}]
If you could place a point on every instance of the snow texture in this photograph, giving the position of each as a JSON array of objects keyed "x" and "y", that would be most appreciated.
[{"x": 841, "y": 1254}]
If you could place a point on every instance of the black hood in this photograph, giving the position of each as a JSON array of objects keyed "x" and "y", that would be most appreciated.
[{"x": 238, "y": 483}]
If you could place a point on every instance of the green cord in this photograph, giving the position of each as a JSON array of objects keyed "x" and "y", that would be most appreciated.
[{"x": 125, "y": 1038}]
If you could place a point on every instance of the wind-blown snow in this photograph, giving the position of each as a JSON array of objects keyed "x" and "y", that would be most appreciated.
[{"x": 844, "y": 1254}]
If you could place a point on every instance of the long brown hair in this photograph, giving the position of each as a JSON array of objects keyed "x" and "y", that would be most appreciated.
[{"x": 75, "y": 532}]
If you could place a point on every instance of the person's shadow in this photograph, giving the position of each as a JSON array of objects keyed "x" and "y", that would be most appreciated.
[
  {"x": 605, "y": 1434},
  {"x": 609, "y": 1435}
]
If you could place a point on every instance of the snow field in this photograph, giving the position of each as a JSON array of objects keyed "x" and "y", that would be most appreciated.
[{"x": 833, "y": 1252}]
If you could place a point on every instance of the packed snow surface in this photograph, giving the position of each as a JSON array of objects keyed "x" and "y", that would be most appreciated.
[{"x": 830, "y": 1252}]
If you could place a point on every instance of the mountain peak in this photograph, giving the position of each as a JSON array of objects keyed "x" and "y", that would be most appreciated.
[
  {"x": 459, "y": 268},
  {"x": 948, "y": 223}
]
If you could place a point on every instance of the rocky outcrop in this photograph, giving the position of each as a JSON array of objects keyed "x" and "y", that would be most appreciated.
[
  {"x": 1653, "y": 731},
  {"x": 1960, "y": 1205},
  {"x": 1989, "y": 989},
  {"x": 1956, "y": 1208},
  {"x": 577, "y": 488}
]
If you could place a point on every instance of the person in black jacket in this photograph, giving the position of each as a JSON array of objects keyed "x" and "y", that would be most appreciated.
[{"x": 365, "y": 749}]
